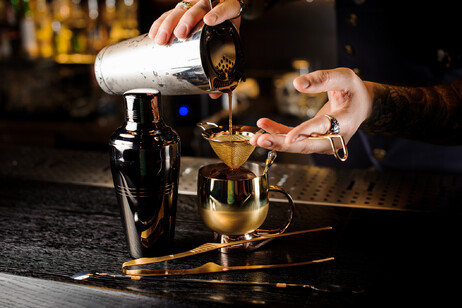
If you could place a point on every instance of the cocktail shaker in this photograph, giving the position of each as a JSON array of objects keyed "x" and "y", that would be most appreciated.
[
  {"x": 209, "y": 60},
  {"x": 145, "y": 165}
]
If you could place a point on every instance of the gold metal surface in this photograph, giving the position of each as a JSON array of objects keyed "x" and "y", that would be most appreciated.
[
  {"x": 206, "y": 247},
  {"x": 211, "y": 267},
  {"x": 232, "y": 222},
  {"x": 234, "y": 202},
  {"x": 335, "y": 149},
  {"x": 233, "y": 148}
]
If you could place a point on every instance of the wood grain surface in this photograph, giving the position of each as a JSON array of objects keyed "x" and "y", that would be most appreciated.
[{"x": 50, "y": 231}]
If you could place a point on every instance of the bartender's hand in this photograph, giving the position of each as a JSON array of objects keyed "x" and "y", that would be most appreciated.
[
  {"x": 350, "y": 102},
  {"x": 181, "y": 20}
]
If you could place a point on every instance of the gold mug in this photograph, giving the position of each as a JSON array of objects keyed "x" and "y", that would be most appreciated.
[{"x": 234, "y": 202}]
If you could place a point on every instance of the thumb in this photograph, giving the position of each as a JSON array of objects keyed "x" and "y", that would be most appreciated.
[
  {"x": 221, "y": 12},
  {"x": 325, "y": 80}
]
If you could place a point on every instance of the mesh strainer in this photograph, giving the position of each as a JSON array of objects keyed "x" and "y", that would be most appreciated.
[{"x": 233, "y": 150}]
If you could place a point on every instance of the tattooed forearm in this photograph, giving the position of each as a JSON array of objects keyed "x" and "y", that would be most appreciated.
[{"x": 432, "y": 114}]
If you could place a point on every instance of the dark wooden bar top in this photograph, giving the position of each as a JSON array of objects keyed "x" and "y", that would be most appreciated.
[{"x": 50, "y": 231}]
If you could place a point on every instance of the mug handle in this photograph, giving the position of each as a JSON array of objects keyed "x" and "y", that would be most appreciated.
[{"x": 291, "y": 215}]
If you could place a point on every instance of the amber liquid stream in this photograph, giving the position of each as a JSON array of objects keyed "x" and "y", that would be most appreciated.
[{"x": 230, "y": 117}]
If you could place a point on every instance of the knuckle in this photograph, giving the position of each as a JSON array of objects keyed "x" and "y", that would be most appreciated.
[
  {"x": 188, "y": 19},
  {"x": 168, "y": 23},
  {"x": 163, "y": 16},
  {"x": 349, "y": 73},
  {"x": 324, "y": 76},
  {"x": 352, "y": 75},
  {"x": 156, "y": 24}
]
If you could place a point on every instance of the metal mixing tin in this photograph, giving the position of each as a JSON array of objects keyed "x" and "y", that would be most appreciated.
[{"x": 209, "y": 60}]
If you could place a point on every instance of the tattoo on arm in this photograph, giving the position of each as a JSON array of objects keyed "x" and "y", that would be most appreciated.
[{"x": 431, "y": 114}]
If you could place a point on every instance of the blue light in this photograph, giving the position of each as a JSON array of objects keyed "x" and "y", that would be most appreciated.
[{"x": 184, "y": 110}]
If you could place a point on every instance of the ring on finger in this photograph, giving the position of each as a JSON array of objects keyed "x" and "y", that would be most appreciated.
[
  {"x": 241, "y": 10},
  {"x": 186, "y": 4},
  {"x": 334, "y": 125}
]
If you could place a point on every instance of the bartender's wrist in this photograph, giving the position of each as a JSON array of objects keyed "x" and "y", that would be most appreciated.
[
  {"x": 371, "y": 88},
  {"x": 378, "y": 95}
]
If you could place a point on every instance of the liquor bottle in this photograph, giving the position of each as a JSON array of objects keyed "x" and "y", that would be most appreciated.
[
  {"x": 125, "y": 23},
  {"x": 77, "y": 23},
  {"x": 44, "y": 28},
  {"x": 27, "y": 28},
  {"x": 62, "y": 35},
  {"x": 11, "y": 39},
  {"x": 5, "y": 45},
  {"x": 145, "y": 164}
]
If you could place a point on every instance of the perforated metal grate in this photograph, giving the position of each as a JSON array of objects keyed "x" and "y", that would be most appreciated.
[
  {"x": 368, "y": 189},
  {"x": 306, "y": 184},
  {"x": 47, "y": 164}
]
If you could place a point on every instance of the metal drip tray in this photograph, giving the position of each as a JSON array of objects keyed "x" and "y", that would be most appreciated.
[
  {"x": 368, "y": 189},
  {"x": 306, "y": 184},
  {"x": 352, "y": 187},
  {"x": 61, "y": 166}
]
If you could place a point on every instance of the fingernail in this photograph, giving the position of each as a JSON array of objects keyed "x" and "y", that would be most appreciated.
[
  {"x": 266, "y": 143},
  {"x": 210, "y": 19},
  {"x": 161, "y": 37},
  {"x": 304, "y": 83},
  {"x": 181, "y": 30}
]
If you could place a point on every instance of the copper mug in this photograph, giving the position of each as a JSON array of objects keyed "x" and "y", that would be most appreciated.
[{"x": 235, "y": 202}]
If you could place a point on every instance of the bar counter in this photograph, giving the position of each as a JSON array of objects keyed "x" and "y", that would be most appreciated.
[{"x": 54, "y": 225}]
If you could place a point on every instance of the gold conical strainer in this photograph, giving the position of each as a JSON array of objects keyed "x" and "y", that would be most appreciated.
[{"x": 233, "y": 150}]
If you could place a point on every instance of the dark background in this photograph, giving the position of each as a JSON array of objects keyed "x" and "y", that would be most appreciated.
[{"x": 60, "y": 105}]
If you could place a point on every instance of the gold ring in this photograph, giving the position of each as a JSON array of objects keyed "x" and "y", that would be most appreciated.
[{"x": 186, "y": 4}]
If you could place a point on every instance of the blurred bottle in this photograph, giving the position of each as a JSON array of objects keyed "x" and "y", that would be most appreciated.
[
  {"x": 43, "y": 28},
  {"x": 72, "y": 26},
  {"x": 61, "y": 33},
  {"x": 106, "y": 21},
  {"x": 75, "y": 31},
  {"x": 10, "y": 34},
  {"x": 126, "y": 21},
  {"x": 83, "y": 27},
  {"x": 5, "y": 45},
  {"x": 93, "y": 33},
  {"x": 17, "y": 30},
  {"x": 71, "y": 31},
  {"x": 27, "y": 30},
  {"x": 77, "y": 23}
]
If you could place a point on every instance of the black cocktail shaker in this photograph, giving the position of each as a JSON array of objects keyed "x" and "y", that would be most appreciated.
[{"x": 145, "y": 164}]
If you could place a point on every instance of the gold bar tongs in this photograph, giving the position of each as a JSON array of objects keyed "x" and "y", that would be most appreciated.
[{"x": 211, "y": 267}]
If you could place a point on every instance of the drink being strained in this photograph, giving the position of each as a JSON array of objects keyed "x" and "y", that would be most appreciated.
[{"x": 233, "y": 149}]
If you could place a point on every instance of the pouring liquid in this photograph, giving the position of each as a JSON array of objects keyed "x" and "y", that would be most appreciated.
[
  {"x": 230, "y": 145},
  {"x": 230, "y": 116}
]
